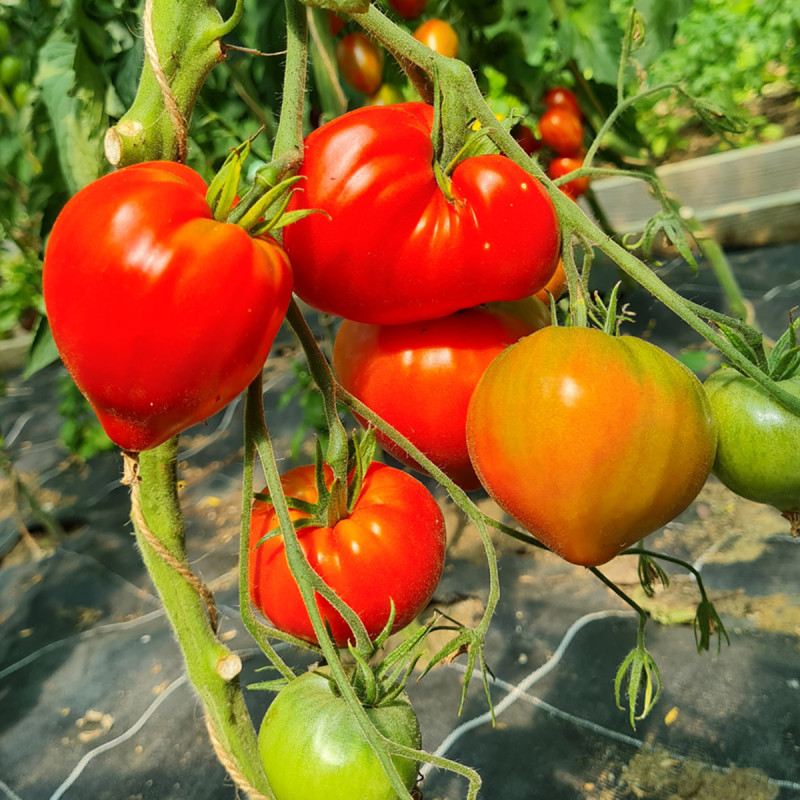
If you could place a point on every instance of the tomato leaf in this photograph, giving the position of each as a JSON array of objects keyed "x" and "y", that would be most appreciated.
[
  {"x": 73, "y": 89},
  {"x": 660, "y": 18},
  {"x": 43, "y": 349},
  {"x": 592, "y": 34}
]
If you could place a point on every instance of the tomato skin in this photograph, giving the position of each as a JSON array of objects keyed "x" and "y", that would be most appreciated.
[
  {"x": 161, "y": 314},
  {"x": 312, "y": 747},
  {"x": 590, "y": 441},
  {"x": 360, "y": 62},
  {"x": 555, "y": 286},
  {"x": 526, "y": 138},
  {"x": 757, "y": 455},
  {"x": 394, "y": 250},
  {"x": 563, "y": 165},
  {"x": 439, "y": 35},
  {"x": 561, "y": 97},
  {"x": 561, "y": 131},
  {"x": 420, "y": 376},
  {"x": 409, "y": 9},
  {"x": 390, "y": 546}
]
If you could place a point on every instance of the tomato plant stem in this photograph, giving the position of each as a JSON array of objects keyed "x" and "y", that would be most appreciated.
[
  {"x": 309, "y": 584},
  {"x": 156, "y": 497}
]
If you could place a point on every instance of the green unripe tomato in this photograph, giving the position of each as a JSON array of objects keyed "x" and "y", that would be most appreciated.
[
  {"x": 10, "y": 70},
  {"x": 758, "y": 451},
  {"x": 19, "y": 94},
  {"x": 312, "y": 747}
]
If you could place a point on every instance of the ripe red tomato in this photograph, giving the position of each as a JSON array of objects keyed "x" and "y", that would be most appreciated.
[
  {"x": 419, "y": 377},
  {"x": 439, "y": 36},
  {"x": 563, "y": 165},
  {"x": 312, "y": 747},
  {"x": 393, "y": 248},
  {"x": 161, "y": 314},
  {"x": 590, "y": 441},
  {"x": 360, "y": 62},
  {"x": 391, "y": 546},
  {"x": 561, "y": 97},
  {"x": 335, "y": 22},
  {"x": 526, "y": 138},
  {"x": 561, "y": 131},
  {"x": 408, "y": 9}
]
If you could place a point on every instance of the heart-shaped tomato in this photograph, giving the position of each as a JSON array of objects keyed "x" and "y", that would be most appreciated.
[
  {"x": 392, "y": 247},
  {"x": 161, "y": 314}
]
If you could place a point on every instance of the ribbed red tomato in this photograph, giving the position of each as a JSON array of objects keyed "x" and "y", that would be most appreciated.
[
  {"x": 392, "y": 247},
  {"x": 590, "y": 441},
  {"x": 389, "y": 548},
  {"x": 161, "y": 314},
  {"x": 390, "y": 368}
]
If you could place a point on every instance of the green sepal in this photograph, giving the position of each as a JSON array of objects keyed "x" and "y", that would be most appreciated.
[
  {"x": 279, "y": 195},
  {"x": 706, "y": 620},
  {"x": 286, "y": 218},
  {"x": 784, "y": 359},
  {"x": 222, "y": 192},
  {"x": 640, "y": 667},
  {"x": 269, "y": 686},
  {"x": 650, "y": 572}
]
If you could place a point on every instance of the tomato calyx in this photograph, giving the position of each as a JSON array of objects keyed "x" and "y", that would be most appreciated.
[
  {"x": 263, "y": 208},
  {"x": 335, "y": 500}
]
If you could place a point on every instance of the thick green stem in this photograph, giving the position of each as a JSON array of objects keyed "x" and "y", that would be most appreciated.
[
  {"x": 309, "y": 583},
  {"x": 212, "y": 668},
  {"x": 182, "y": 46}
]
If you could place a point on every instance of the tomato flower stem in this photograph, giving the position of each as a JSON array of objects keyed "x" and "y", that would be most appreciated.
[{"x": 253, "y": 413}]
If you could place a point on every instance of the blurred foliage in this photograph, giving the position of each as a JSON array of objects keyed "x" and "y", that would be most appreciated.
[{"x": 68, "y": 68}]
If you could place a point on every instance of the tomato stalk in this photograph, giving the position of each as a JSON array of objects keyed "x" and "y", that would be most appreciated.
[
  {"x": 212, "y": 668},
  {"x": 182, "y": 42},
  {"x": 309, "y": 584}
]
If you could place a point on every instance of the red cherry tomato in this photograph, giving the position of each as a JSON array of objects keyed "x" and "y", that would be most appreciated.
[
  {"x": 440, "y": 36},
  {"x": 394, "y": 249},
  {"x": 561, "y": 97},
  {"x": 390, "y": 547},
  {"x": 590, "y": 441},
  {"x": 408, "y": 9},
  {"x": 360, "y": 62},
  {"x": 419, "y": 377},
  {"x": 563, "y": 165},
  {"x": 161, "y": 314},
  {"x": 526, "y": 138},
  {"x": 561, "y": 131},
  {"x": 335, "y": 22}
]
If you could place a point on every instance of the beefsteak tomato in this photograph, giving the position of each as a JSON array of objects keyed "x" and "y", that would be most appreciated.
[
  {"x": 161, "y": 314},
  {"x": 312, "y": 747},
  {"x": 420, "y": 376},
  {"x": 390, "y": 547},
  {"x": 392, "y": 248},
  {"x": 590, "y": 441},
  {"x": 759, "y": 441}
]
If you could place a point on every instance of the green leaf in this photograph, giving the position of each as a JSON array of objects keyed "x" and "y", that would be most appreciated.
[
  {"x": 73, "y": 91},
  {"x": 43, "y": 349},
  {"x": 591, "y": 33},
  {"x": 660, "y": 22}
]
